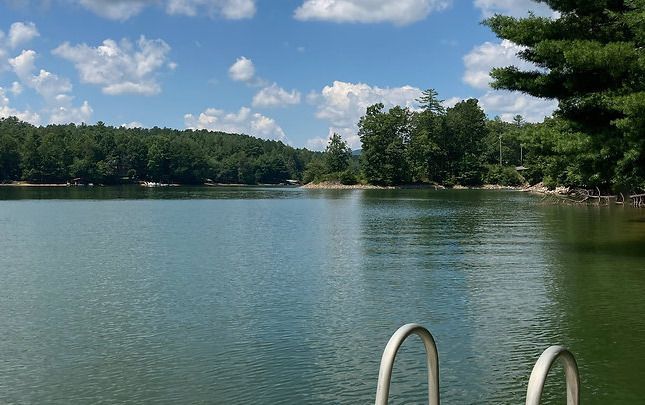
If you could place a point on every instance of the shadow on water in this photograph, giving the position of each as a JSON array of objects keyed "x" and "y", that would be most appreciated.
[
  {"x": 136, "y": 192},
  {"x": 597, "y": 284},
  {"x": 633, "y": 248}
]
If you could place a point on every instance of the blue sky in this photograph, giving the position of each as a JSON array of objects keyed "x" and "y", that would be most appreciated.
[{"x": 293, "y": 70}]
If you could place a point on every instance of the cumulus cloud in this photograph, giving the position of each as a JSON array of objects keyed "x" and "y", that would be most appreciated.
[
  {"x": 451, "y": 102},
  {"x": 243, "y": 70},
  {"x": 66, "y": 113},
  {"x": 478, "y": 64},
  {"x": 7, "y": 111},
  {"x": 230, "y": 9},
  {"x": 483, "y": 58},
  {"x": 20, "y": 33},
  {"x": 114, "y": 9},
  {"x": 516, "y": 8},
  {"x": 132, "y": 125},
  {"x": 244, "y": 121},
  {"x": 400, "y": 12},
  {"x": 49, "y": 85},
  {"x": 54, "y": 90},
  {"x": 342, "y": 104},
  {"x": 507, "y": 105},
  {"x": 119, "y": 67},
  {"x": 318, "y": 144},
  {"x": 275, "y": 96},
  {"x": 125, "y": 9}
]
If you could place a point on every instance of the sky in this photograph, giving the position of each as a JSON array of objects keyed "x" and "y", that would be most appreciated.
[{"x": 289, "y": 70}]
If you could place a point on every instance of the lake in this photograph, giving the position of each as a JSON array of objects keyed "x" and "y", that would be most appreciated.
[{"x": 288, "y": 296}]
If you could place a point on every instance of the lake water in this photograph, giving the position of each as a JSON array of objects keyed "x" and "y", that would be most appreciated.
[{"x": 288, "y": 296}]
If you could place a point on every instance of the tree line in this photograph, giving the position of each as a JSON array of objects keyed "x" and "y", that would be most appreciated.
[{"x": 112, "y": 155}]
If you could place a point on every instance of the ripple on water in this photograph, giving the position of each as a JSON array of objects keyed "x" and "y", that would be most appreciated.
[{"x": 273, "y": 296}]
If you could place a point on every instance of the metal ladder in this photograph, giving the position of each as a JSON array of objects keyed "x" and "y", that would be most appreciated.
[{"x": 536, "y": 381}]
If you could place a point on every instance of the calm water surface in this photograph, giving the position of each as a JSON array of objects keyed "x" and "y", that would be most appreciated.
[{"x": 288, "y": 296}]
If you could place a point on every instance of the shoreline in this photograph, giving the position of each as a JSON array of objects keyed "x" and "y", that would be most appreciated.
[
  {"x": 332, "y": 185},
  {"x": 327, "y": 185}
]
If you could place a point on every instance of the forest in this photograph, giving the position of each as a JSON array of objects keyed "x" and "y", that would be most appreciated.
[{"x": 114, "y": 155}]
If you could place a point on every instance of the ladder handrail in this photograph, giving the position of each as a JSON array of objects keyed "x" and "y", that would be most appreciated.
[
  {"x": 389, "y": 354},
  {"x": 541, "y": 370}
]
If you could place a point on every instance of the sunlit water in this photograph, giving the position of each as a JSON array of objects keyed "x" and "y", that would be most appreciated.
[{"x": 266, "y": 296}]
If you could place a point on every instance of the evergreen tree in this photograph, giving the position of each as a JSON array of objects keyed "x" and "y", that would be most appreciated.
[
  {"x": 429, "y": 101},
  {"x": 591, "y": 60},
  {"x": 337, "y": 154}
]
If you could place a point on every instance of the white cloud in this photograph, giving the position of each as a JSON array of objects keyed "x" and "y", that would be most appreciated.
[
  {"x": 399, "y": 12},
  {"x": 55, "y": 90},
  {"x": 508, "y": 104},
  {"x": 7, "y": 111},
  {"x": 65, "y": 113},
  {"x": 244, "y": 121},
  {"x": 478, "y": 64},
  {"x": 16, "y": 88},
  {"x": 125, "y": 9},
  {"x": 243, "y": 70},
  {"x": 120, "y": 68},
  {"x": 230, "y": 9},
  {"x": 318, "y": 144},
  {"x": 275, "y": 96},
  {"x": 21, "y": 33},
  {"x": 49, "y": 85},
  {"x": 483, "y": 58},
  {"x": 451, "y": 102},
  {"x": 343, "y": 104},
  {"x": 516, "y": 8},
  {"x": 132, "y": 125},
  {"x": 114, "y": 9}
]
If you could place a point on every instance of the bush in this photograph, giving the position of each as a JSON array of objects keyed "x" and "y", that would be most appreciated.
[
  {"x": 504, "y": 176},
  {"x": 348, "y": 177}
]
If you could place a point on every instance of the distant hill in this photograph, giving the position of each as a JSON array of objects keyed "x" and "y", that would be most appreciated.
[{"x": 357, "y": 152}]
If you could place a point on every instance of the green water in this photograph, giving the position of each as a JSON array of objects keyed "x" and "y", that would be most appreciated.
[{"x": 265, "y": 296}]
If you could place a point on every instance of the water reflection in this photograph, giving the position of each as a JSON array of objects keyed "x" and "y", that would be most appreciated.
[
  {"x": 289, "y": 296},
  {"x": 598, "y": 282}
]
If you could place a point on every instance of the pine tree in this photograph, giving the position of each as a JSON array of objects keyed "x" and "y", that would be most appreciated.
[{"x": 590, "y": 58}]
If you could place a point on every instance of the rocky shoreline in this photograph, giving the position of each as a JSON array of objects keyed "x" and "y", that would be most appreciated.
[
  {"x": 333, "y": 185},
  {"x": 539, "y": 188}
]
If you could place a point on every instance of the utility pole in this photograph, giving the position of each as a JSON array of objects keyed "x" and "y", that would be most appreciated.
[
  {"x": 500, "y": 149},
  {"x": 521, "y": 155}
]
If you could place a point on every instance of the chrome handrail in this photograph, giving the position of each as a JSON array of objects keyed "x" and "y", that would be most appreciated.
[
  {"x": 389, "y": 354},
  {"x": 541, "y": 370}
]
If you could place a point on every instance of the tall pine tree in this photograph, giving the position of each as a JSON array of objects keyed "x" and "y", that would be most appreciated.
[{"x": 590, "y": 58}]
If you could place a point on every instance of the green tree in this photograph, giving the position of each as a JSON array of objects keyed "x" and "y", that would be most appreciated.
[
  {"x": 337, "y": 154},
  {"x": 423, "y": 152},
  {"x": 9, "y": 158},
  {"x": 465, "y": 129},
  {"x": 385, "y": 136},
  {"x": 591, "y": 60},
  {"x": 429, "y": 101}
]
